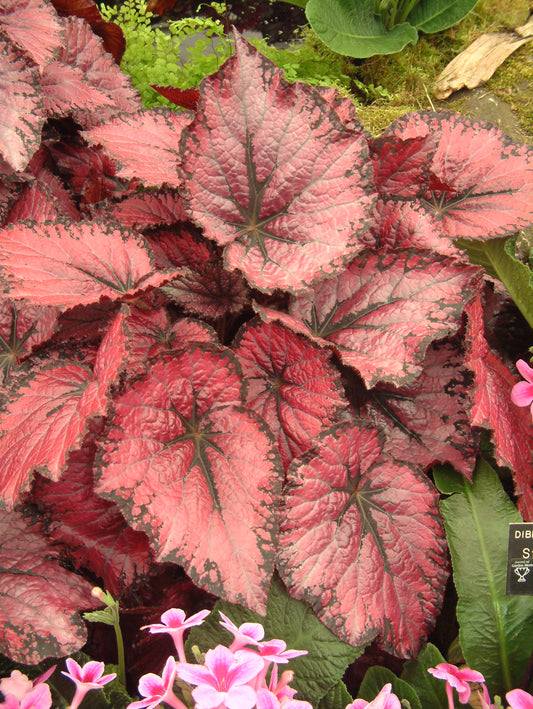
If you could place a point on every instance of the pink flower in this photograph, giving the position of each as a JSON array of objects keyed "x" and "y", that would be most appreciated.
[
  {"x": 268, "y": 700},
  {"x": 456, "y": 679},
  {"x": 174, "y": 623},
  {"x": 86, "y": 678},
  {"x": 276, "y": 651},
  {"x": 222, "y": 681},
  {"x": 518, "y": 699},
  {"x": 384, "y": 700},
  {"x": 522, "y": 393},
  {"x": 157, "y": 689},
  {"x": 22, "y": 693},
  {"x": 245, "y": 634}
]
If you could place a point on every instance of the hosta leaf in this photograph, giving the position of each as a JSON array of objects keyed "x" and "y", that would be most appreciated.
[
  {"x": 49, "y": 415},
  {"x": 362, "y": 541},
  {"x": 22, "y": 115},
  {"x": 34, "y": 26},
  {"x": 478, "y": 183},
  {"x": 39, "y": 600},
  {"x": 198, "y": 473},
  {"x": 290, "y": 383},
  {"x": 128, "y": 139},
  {"x": 78, "y": 263},
  {"x": 428, "y": 421},
  {"x": 283, "y": 185},
  {"x": 493, "y": 409},
  {"x": 383, "y": 311},
  {"x": 91, "y": 531}
]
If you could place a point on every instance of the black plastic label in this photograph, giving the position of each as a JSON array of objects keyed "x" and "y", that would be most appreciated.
[{"x": 520, "y": 559}]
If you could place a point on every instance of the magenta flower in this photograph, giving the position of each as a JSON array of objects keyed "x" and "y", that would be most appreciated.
[
  {"x": 456, "y": 679},
  {"x": 222, "y": 681},
  {"x": 21, "y": 693},
  {"x": 268, "y": 700},
  {"x": 522, "y": 393},
  {"x": 276, "y": 651},
  {"x": 88, "y": 677},
  {"x": 173, "y": 622},
  {"x": 518, "y": 699},
  {"x": 157, "y": 689},
  {"x": 245, "y": 634},
  {"x": 384, "y": 700}
]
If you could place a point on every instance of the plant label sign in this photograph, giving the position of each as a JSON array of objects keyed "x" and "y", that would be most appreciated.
[{"x": 520, "y": 559}]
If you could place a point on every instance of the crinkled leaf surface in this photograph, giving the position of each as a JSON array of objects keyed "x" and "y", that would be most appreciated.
[
  {"x": 39, "y": 600},
  {"x": 43, "y": 200},
  {"x": 22, "y": 115},
  {"x": 79, "y": 263},
  {"x": 66, "y": 88},
  {"x": 383, "y": 311},
  {"x": 361, "y": 540},
  {"x": 144, "y": 210},
  {"x": 475, "y": 180},
  {"x": 428, "y": 421},
  {"x": 129, "y": 139},
  {"x": 492, "y": 408},
  {"x": 197, "y": 472},
  {"x": 290, "y": 383},
  {"x": 49, "y": 415},
  {"x": 34, "y": 26},
  {"x": 271, "y": 173}
]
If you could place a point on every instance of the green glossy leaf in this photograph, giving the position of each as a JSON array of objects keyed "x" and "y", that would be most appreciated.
[
  {"x": 436, "y": 15},
  {"x": 351, "y": 28},
  {"x": 431, "y": 691},
  {"x": 338, "y": 697},
  {"x": 498, "y": 259},
  {"x": 376, "y": 677},
  {"x": 299, "y": 3},
  {"x": 495, "y": 629}
]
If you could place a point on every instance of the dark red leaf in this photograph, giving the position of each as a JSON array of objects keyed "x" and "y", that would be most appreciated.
[
  {"x": 180, "y": 246},
  {"x": 34, "y": 26},
  {"x": 40, "y": 202},
  {"x": 39, "y": 600},
  {"x": 361, "y": 539},
  {"x": 291, "y": 384},
  {"x": 283, "y": 185},
  {"x": 512, "y": 432},
  {"x": 186, "y": 98},
  {"x": 145, "y": 210},
  {"x": 50, "y": 413},
  {"x": 75, "y": 264},
  {"x": 198, "y": 473},
  {"x": 22, "y": 115}
]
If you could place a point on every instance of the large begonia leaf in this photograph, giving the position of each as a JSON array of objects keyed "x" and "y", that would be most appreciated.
[
  {"x": 65, "y": 89},
  {"x": 474, "y": 179},
  {"x": 428, "y": 421},
  {"x": 39, "y": 600},
  {"x": 361, "y": 539},
  {"x": 383, "y": 311},
  {"x": 197, "y": 472},
  {"x": 49, "y": 415},
  {"x": 34, "y": 26},
  {"x": 181, "y": 245},
  {"x": 77, "y": 263},
  {"x": 84, "y": 51},
  {"x": 91, "y": 531},
  {"x": 493, "y": 409},
  {"x": 40, "y": 203},
  {"x": 146, "y": 210},
  {"x": 22, "y": 115},
  {"x": 271, "y": 173},
  {"x": 23, "y": 327},
  {"x": 129, "y": 139},
  {"x": 290, "y": 383}
]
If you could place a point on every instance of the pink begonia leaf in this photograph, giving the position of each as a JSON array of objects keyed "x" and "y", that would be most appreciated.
[
  {"x": 428, "y": 421},
  {"x": 21, "y": 100},
  {"x": 66, "y": 88},
  {"x": 91, "y": 531},
  {"x": 146, "y": 210},
  {"x": 86, "y": 324},
  {"x": 344, "y": 108},
  {"x": 512, "y": 431},
  {"x": 361, "y": 539},
  {"x": 78, "y": 263},
  {"x": 282, "y": 185},
  {"x": 181, "y": 245},
  {"x": 291, "y": 384},
  {"x": 128, "y": 139},
  {"x": 84, "y": 51},
  {"x": 474, "y": 179},
  {"x": 39, "y": 600},
  {"x": 49, "y": 415},
  {"x": 383, "y": 311},
  {"x": 34, "y": 26},
  {"x": 23, "y": 328},
  {"x": 197, "y": 472},
  {"x": 42, "y": 200}
]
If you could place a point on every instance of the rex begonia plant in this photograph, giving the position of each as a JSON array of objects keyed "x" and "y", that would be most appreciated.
[{"x": 241, "y": 336}]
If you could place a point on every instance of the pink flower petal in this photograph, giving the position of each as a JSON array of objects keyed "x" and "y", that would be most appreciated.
[
  {"x": 522, "y": 394},
  {"x": 518, "y": 699},
  {"x": 525, "y": 370}
]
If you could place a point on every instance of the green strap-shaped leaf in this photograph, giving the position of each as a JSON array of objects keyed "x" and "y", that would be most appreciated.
[
  {"x": 495, "y": 629},
  {"x": 431, "y": 691}
]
